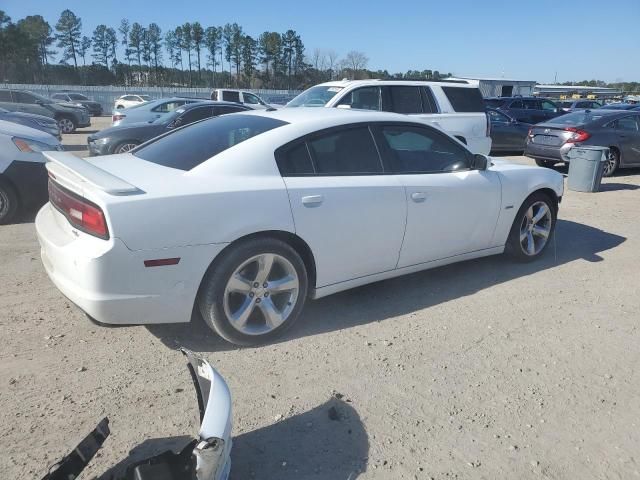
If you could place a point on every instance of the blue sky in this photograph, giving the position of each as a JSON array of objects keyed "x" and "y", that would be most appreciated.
[{"x": 515, "y": 39}]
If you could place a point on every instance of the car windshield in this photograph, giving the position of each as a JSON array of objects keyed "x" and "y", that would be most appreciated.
[
  {"x": 188, "y": 147},
  {"x": 77, "y": 96},
  {"x": 317, "y": 96},
  {"x": 577, "y": 118}
]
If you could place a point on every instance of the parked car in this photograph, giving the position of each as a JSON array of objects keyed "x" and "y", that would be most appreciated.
[
  {"x": 507, "y": 133},
  {"x": 39, "y": 122},
  {"x": 247, "y": 99},
  {"x": 581, "y": 104},
  {"x": 148, "y": 111},
  {"x": 126, "y": 137},
  {"x": 549, "y": 142},
  {"x": 68, "y": 116},
  {"x": 95, "y": 108},
  {"x": 247, "y": 215},
  {"x": 620, "y": 106},
  {"x": 454, "y": 107},
  {"x": 126, "y": 101},
  {"x": 204, "y": 457},
  {"x": 525, "y": 109},
  {"x": 23, "y": 177}
]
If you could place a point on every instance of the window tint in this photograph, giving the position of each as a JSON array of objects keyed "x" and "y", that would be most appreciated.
[
  {"x": 129, "y": 98},
  {"x": 531, "y": 104},
  {"x": 516, "y": 104},
  {"x": 59, "y": 96},
  {"x": 230, "y": 96},
  {"x": 168, "y": 106},
  {"x": 193, "y": 115},
  {"x": 464, "y": 99},
  {"x": 24, "y": 97},
  {"x": 366, "y": 98},
  {"x": 420, "y": 150},
  {"x": 627, "y": 123},
  {"x": 77, "y": 96},
  {"x": 405, "y": 99},
  {"x": 429, "y": 104},
  {"x": 198, "y": 143},
  {"x": 497, "y": 117},
  {"x": 583, "y": 104},
  {"x": 347, "y": 152},
  {"x": 495, "y": 102},
  {"x": 547, "y": 105},
  {"x": 295, "y": 161},
  {"x": 224, "y": 110},
  {"x": 5, "y": 96}
]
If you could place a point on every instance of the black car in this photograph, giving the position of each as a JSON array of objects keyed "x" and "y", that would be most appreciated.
[
  {"x": 525, "y": 109},
  {"x": 95, "y": 108},
  {"x": 549, "y": 143},
  {"x": 123, "y": 138},
  {"x": 39, "y": 122},
  {"x": 68, "y": 115},
  {"x": 507, "y": 133}
]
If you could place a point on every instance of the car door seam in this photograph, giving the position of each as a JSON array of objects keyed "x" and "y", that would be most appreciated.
[{"x": 406, "y": 220}]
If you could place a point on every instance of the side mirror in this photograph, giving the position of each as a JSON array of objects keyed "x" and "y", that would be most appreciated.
[{"x": 480, "y": 162}]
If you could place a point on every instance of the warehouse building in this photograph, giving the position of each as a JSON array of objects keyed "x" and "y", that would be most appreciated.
[{"x": 500, "y": 87}]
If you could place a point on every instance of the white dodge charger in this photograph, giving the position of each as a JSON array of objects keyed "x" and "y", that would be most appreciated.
[{"x": 245, "y": 216}]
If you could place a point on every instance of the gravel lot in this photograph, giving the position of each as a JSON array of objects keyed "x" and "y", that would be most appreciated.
[{"x": 486, "y": 369}]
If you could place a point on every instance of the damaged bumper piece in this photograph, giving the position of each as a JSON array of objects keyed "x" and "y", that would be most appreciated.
[{"x": 204, "y": 458}]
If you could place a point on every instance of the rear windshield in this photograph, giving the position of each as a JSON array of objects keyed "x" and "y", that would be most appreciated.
[
  {"x": 317, "y": 96},
  {"x": 464, "y": 99},
  {"x": 576, "y": 118},
  {"x": 190, "y": 146}
]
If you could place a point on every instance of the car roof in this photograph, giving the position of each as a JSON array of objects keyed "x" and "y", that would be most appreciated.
[
  {"x": 188, "y": 106},
  {"x": 16, "y": 129},
  {"x": 377, "y": 81},
  {"x": 321, "y": 116}
]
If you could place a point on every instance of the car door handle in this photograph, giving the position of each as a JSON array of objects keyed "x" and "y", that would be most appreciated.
[
  {"x": 312, "y": 201},
  {"x": 418, "y": 197}
]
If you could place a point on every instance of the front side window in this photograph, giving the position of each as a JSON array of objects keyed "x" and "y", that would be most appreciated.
[
  {"x": 415, "y": 150},
  {"x": 405, "y": 99},
  {"x": 193, "y": 115},
  {"x": 169, "y": 106},
  {"x": 497, "y": 117},
  {"x": 346, "y": 152},
  {"x": 250, "y": 99},
  {"x": 549, "y": 106},
  {"x": 531, "y": 104},
  {"x": 201, "y": 141},
  {"x": 517, "y": 104},
  {"x": 365, "y": 98}
]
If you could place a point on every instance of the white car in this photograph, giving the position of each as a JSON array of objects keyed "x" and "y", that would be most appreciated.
[
  {"x": 248, "y": 99},
  {"x": 244, "y": 216},
  {"x": 126, "y": 101},
  {"x": 452, "y": 106}
]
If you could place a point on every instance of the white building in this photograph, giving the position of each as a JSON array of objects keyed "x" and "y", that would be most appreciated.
[{"x": 500, "y": 87}]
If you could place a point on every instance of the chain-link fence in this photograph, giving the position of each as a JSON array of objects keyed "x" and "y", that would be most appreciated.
[{"x": 106, "y": 95}]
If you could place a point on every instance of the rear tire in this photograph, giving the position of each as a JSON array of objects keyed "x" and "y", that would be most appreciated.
[
  {"x": 545, "y": 163},
  {"x": 9, "y": 203},
  {"x": 66, "y": 125},
  {"x": 533, "y": 228},
  {"x": 254, "y": 292},
  {"x": 613, "y": 162}
]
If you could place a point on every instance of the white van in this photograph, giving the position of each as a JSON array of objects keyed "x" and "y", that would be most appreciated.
[{"x": 453, "y": 106}]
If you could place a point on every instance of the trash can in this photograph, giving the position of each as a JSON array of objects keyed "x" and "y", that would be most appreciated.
[{"x": 586, "y": 165}]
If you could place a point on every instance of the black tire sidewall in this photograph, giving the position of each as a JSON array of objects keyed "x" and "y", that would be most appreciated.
[
  {"x": 10, "y": 193},
  {"x": 211, "y": 294},
  {"x": 513, "y": 247},
  {"x": 67, "y": 117}
]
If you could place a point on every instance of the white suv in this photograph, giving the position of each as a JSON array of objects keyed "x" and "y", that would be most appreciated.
[{"x": 452, "y": 106}]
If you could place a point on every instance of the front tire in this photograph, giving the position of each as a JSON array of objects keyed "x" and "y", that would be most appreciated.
[
  {"x": 255, "y": 291},
  {"x": 66, "y": 125},
  {"x": 532, "y": 228},
  {"x": 545, "y": 163},
  {"x": 613, "y": 162},
  {"x": 9, "y": 204}
]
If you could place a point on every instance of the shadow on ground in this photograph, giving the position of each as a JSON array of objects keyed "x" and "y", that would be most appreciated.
[
  {"x": 614, "y": 187},
  {"x": 328, "y": 441},
  {"x": 409, "y": 293}
]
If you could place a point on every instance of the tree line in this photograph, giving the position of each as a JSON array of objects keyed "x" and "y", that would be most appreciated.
[{"x": 132, "y": 54}]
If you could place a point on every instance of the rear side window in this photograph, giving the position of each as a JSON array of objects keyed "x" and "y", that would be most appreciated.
[
  {"x": 531, "y": 104},
  {"x": 346, "y": 152},
  {"x": 365, "y": 98},
  {"x": 203, "y": 140},
  {"x": 405, "y": 99},
  {"x": 230, "y": 96},
  {"x": 168, "y": 106},
  {"x": 464, "y": 99},
  {"x": 295, "y": 161},
  {"x": 516, "y": 104},
  {"x": 225, "y": 110},
  {"x": 193, "y": 115},
  {"x": 628, "y": 124}
]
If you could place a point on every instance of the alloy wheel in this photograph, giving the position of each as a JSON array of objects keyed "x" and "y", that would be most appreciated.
[
  {"x": 535, "y": 228},
  {"x": 4, "y": 204},
  {"x": 261, "y": 294},
  {"x": 66, "y": 125},
  {"x": 125, "y": 147},
  {"x": 611, "y": 164}
]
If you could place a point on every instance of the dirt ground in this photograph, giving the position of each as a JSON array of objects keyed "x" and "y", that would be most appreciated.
[{"x": 481, "y": 370}]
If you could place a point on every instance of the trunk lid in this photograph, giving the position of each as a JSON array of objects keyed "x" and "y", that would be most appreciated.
[{"x": 549, "y": 135}]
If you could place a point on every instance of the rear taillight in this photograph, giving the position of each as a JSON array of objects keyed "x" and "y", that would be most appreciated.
[
  {"x": 81, "y": 213},
  {"x": 116, "y": 117},
  {"x": 577, "y": 136}
]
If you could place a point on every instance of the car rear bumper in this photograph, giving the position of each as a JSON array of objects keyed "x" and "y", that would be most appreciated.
[
  {"x": 111, "y": 283},
  {"x": 548, "y": 152}
]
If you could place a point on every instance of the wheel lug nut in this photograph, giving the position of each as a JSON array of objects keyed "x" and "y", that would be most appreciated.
[
  {"x": 265, "y": 284},
  {"x": 251, "y": 294},
  {"x": 266, "y": 294},
  {"x": 258, "y": 300},
  {"x": 256, "y": 285}
]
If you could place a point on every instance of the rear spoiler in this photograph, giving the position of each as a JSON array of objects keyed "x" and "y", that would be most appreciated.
[{"x": 65, "y": 164}]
